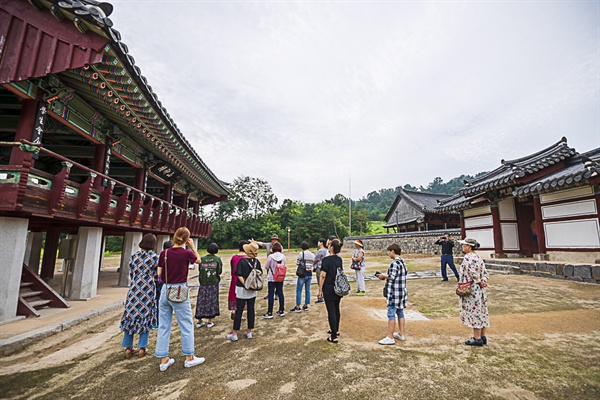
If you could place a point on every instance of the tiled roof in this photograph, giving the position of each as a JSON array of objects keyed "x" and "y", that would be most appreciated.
[
  {"x": 423, "y": 201},
  {"x": 507, "y": 174},
  {"x": 94, "y": 15},
  {"x": 579, "y": 167}
]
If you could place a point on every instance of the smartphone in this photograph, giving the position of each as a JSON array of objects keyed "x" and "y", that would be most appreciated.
[{"x": 377, "y": 273}]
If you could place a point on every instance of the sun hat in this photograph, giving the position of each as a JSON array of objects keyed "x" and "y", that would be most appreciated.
[
  {"x": 359, "y": 242},
  {"x": 469, "y": 242},
  {"x": 251, "y": 249},
  {"x": 274, "y": 237}
]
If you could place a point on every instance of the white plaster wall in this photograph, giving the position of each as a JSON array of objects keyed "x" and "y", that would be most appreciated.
[
  {"x": 583, "y": 233},
  {"x": 485, "y": 237},
  {"x": 510, "y": 236}
]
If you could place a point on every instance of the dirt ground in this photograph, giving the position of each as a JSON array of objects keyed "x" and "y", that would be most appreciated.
[{"x": 544, "y": 343}]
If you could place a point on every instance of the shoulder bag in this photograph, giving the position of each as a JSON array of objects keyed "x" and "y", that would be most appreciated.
[
  {"x": 301, "y": 270},
  {"x": 254, "y": 281},
  {"x": 178, "y": 293}
]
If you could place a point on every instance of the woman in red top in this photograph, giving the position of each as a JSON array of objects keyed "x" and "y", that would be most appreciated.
[
  {"x": 232, "y": 299},
  {"x": 173, "y": 270}
]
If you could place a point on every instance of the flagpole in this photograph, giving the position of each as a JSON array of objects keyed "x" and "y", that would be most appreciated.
[{"x": 350, "y": 205}]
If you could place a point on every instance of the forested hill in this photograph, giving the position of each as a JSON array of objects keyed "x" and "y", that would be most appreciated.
[{"x": 377, "y": 204}]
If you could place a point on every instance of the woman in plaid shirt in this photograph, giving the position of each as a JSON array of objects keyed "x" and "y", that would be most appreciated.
[{"x": 396, "y": 294}]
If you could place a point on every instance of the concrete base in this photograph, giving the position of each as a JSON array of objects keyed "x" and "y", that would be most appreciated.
[
  {"x": 130, "y": 245},
  {"x": 160, "y": 241},
  {"x": 33, "y": 251},
  {"x": 13, "y": 240},
  {"x": 85, "y": 268}
]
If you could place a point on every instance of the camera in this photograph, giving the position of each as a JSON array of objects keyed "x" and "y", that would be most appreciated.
[{"x": 377, "y": 273}]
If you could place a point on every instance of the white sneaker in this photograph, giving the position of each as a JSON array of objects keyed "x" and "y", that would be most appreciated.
[
  {"x": 210, "y": 324},
  {"x": 163, "y": 367},
  {"x": 249, "y": 335},
  {"x": 200, "y": 324},
  {"x": 399, "y": 336},
  {"x": 193, "y": 362},
  {"x": 233, "y": 337},
  {"x": 387, "y": 340}
]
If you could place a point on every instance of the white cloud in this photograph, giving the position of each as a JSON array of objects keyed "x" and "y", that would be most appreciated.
[{"x": 305, "y": 94}]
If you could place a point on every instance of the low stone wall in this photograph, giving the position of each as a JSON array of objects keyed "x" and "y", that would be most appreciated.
[
  {"x": 410, "y": 242},
  {"x": 424, "y": 243},
  {"x": 589, "y": 273}
]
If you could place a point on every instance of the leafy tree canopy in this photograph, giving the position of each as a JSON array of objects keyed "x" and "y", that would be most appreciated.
[{"x": 251, "y": 212}]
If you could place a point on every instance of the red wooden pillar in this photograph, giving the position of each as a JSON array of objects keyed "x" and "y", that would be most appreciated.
[
  {"x": 497, "y": 229},
  {"x": 140, "y": 178},
  {"x": 99, "y": 162},
  {"x": 168, "y": 194},
  {"x": 49, "y": 260},
  {"x": 463, "y": 231},
  {"x": 24, "y": 130},
  {"x": 539, "y": 225}
]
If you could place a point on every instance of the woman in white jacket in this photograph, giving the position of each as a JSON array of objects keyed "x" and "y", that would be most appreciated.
[{"x": 273, "y": 260}]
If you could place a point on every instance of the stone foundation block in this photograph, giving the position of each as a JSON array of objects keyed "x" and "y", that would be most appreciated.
[
  {"x": 541, "y": 267},
  {"x": 596, "y": 272},
  {"x": 574, "y": 278},
  {"x": 560, "y": 270},
  {"x": 527, "y": 266},
  {"x": 582, "y": 271},
  {"x": 568, "y": 270},
  {"x": 551, "y": 269}
]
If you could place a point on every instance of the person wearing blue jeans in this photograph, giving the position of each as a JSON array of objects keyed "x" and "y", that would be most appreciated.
[
  {"x": 173, "y": 270},
  {"x": 183, "y": 314},
  {"x": 305, "y": 259},
  {"x": 447, "y": 257}
]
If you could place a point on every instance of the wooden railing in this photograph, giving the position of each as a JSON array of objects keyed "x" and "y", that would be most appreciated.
[{"x": 26, "y": 189}]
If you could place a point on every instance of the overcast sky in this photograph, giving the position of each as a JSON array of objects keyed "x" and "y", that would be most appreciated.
[{"x": 310, "y": 94}]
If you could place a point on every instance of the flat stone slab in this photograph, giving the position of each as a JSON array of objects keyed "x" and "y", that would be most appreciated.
[{"x": 409, "y": 315}]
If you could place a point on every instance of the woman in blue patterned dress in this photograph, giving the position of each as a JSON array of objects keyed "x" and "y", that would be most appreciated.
[
  {"x": 473, "y": 308},
  {"x": 140, "y": 305}
]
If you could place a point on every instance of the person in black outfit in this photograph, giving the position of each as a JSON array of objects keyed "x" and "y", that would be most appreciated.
[
  {"x": 447, "y": 257},
  {"x": 329, "y": 267}
]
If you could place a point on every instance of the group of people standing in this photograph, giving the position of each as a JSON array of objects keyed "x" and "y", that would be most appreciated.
[{"x": 154, "y": 275}]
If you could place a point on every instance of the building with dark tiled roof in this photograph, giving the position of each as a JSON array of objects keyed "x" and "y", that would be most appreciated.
[
  {"x": 415, "y": 211},
  {"x": 86, "y": 150},
  {"x": 543, "y": 205}
]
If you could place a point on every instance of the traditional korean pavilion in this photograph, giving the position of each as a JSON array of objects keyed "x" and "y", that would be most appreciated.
[
  {"x": 416, "y": 211},
  {"x": 86, "y": 150},
  {"x": 543, "y": 205}
]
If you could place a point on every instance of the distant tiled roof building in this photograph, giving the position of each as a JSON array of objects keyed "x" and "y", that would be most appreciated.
[
  {"x": 415, "y": 211},
  {"x": 544, "y": 204}
]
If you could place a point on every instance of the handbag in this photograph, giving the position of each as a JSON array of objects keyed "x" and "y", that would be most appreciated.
[
  {"x": 385, "y": 289},
  {"x": 254, "y": 281},
  {"x": 464, "y": 289},
  {"x": 301, "y": 270},
  {"x": 176, "y": 294},
  {"x": 357, "y": 264}
]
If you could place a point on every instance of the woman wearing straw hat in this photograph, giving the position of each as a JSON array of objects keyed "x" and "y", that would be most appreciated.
[
  {"x": 473, "y": 308},
  {"x": 358, "y": 264},
  {"x": 245, "y": 298}
]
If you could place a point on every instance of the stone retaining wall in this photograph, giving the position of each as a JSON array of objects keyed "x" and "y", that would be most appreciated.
[
  {"x": 410, "y": 242},
  {"x": 424, "y": 243},
  {"x": 589, "y": 273}
]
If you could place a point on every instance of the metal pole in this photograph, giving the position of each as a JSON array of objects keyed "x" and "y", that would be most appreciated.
[
  {"x": 350, "y": 205},
  {"x": 288, "y": 229}
]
